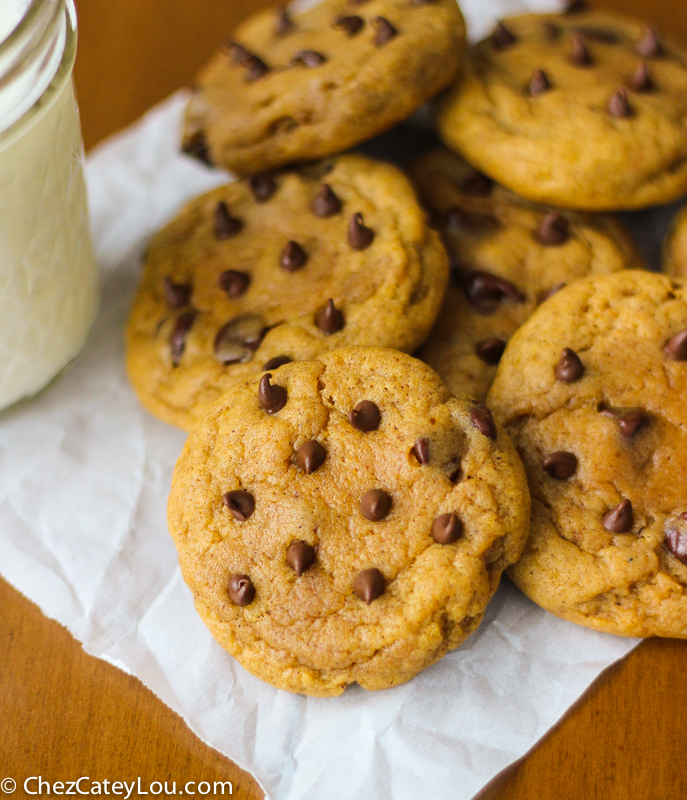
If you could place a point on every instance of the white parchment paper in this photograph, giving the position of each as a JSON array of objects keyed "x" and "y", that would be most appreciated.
[{"x": 84, "y": 478}]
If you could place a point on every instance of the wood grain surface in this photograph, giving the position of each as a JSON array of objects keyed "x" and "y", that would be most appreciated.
[{"x": 64, "y": 714}]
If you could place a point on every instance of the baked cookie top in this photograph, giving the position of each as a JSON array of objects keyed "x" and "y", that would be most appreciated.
[
  {"x": 281, "y": 267},
  {"x": 581, "y": 110},
  {"x": 507, "y": 255},
  {"x": 675, "y": 247},
  {"x": 294, "y": 88},
  {"x": 592, "y": 392},
  {"x": 345, "y": 520}
]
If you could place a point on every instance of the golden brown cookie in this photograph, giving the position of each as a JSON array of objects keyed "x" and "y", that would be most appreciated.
[
  {"x": 281, "y": 268},
  {"x": 675, "y": 247},
  {"x": 345, "y": 520},
  {"x": 592, "y": 392},
  {"x": 581, "y": 110},
  {"x": 508, "y": 255},
  {"x": 294, "y": 88}
]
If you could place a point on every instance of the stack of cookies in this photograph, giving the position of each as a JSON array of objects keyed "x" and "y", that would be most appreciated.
[{"x": 343, "y": 511}]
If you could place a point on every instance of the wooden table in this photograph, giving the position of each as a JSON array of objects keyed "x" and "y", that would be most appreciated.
[{"x": 64, "y": 714}]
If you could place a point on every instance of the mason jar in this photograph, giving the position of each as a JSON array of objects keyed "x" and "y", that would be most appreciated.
[{"x": 48, "y": 275}]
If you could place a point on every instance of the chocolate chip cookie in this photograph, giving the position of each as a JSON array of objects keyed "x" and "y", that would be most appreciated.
[
  {"x": 675, "y": 247},
  {"x": 507, "y": 256},
  {"x": 345, "y": 520},
  {"x": 581, "y": 110},
  {"x": 276, "y": 268},
  {"x": 592, "y": 392},
  {"x": 300, "y": 87}
]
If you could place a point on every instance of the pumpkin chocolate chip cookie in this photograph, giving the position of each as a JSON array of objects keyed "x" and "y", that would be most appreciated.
[
  {"x": 675, "y": 247},
  {"x": 592, "y": 392},
  {"x": 581, "y": 110},
  {"x": 279, "y": 268},
  {"x": 507, "y": 256},
  {"x": 345, "y": 520},
  {"x": 300, "y": 87}
]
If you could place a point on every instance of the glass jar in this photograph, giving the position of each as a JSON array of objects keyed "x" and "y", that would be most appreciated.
[{"x": 48, "y": 275}]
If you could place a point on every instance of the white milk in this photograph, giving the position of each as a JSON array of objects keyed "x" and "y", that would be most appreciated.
[{"x": 48, "y": 277}]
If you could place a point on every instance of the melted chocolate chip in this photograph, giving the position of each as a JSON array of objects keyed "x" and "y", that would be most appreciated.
[
  {"x": 349, "y": 24},
  {"x": 241, "y": 590},
  {"x": 365, "y": 416},
  {"x": 310, "y": 456},
  {"x": 676, "y": 542},
  {"x": 293, "y": 257},
  {"x": 326, "y": 203},
  {"x": 543, "y": 296},
  {"x": 482, "y": 419},
  {"x": 240, "y": 503},
  {"x": 275, "y": 363},
  {"x": 234, "y": 283},
  {"x": 308, "y": 58},
  {"x": 554, "y": 230},
  {"x": 263, "y": 187},
  {"x": 676, "y": 347},
  {"x": 236, "y": 341},
  {"x": 502, "y": 37},
  {"x": 226, "y": 226},
  {"x": 271, "y": 398},
  {"x": 619, "y": 106},
  {"x": 369, "y": 585},
  {"x": 197, "y": 147},
  {"x": 421, "y": 451},
  {"x": 177, "y": 339},
  {"x": 539, "y": 83},
  {"x": 447, "y": 529},
  {"x": 237, "y": 53},
  {"x": 284, "y": 23},
  {"x": 560, "y": 465},
  {"x": 649, "y": 45},
  {"x": 641, "y": 80},
  {"x": 300, "y": 557},
  {"x": 459, "y": 220},
  {"x": 375, "y": 505},
  {"x": 255, "y": 68},
  {"x": 490, "y": 350},
  {"x": 477, "y": 185},
  {"x": 569, "y": 367},
  {"x": 484, "y": 290},
  {"x": 385, "y": 31},
  {"x": 580, "y": 54},
  {"x": 329, "y": 319},
  {"x": 177, "y": 295},
  {"x": 359, "y": 236},
  {"x": 619, "y": 519}
]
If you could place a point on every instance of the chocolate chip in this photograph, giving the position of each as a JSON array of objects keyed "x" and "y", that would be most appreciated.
[
  {"x": 560, "y": 465},
  {"x": 271, "y": 398},
  {"x": 300, "y": 557},
  {"x": 459, "y": 220},
  {"x": 385, "y": 31},
  {"x": 632, "y": 421},
  {"x": 477, "y": 185},
  {"x": 349, "y": 24},
  {"x": 569, "y": 368},
  {"x": 597, "y": 34},
  {"x": 263, "y": 187},
  {"x": 329, "y": 319},
  {"x": 649, "y": 45},
  {"x": 490, "y": 350},
  {"x": 237, "y": 53},
  {"x": 369, "y": 585},
  {"x": 575, "y": 7},
  {"x": 255, "y": 68},
  {"x": 359, "y": 236},
  {"x": 240, "y": 503},
  {"x": 241, "y": 590},
  {"x": 236, "y": 341},
  {"x": 275, "y": 363},
  {"x": 641, "y": 80},
  {"x": 676, "y": 542},
  {"x": 177, "y": 295},
  {"x": 234, "y": 283},
  {"x": 177, "y": 339},
  {"x": 484, "y": 290},
  {"x": 543, "y": 296},
  {"x": 226, "y": 226},
  {"x": 365, "y": 416},
  {"x": 310, "y": 456},
  {"x": 326, "y": 203},
  {"x": 551, "y": 31},
  {"x": 447, "y": 529},
  {"x": 293, "y": 257},
  {"x": 284, "y": 23},
  {"x": 197, "y": 147},
  {"x": 580, "y": 55},
  {"x": 421, "y": 451},
  {"x": 482, "y": 420},
  {"x": 375, "y": 505},
  {"x": 539, "y": 83},
  {"x": 308, "y": 58},
  {"x": 502, "y": 37},
  {"x": 554, "y": 230},
  {"x": 676, "y": 347},
  {"x": 619, "y": 106},
  {"x": 619, "y": 519}
]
